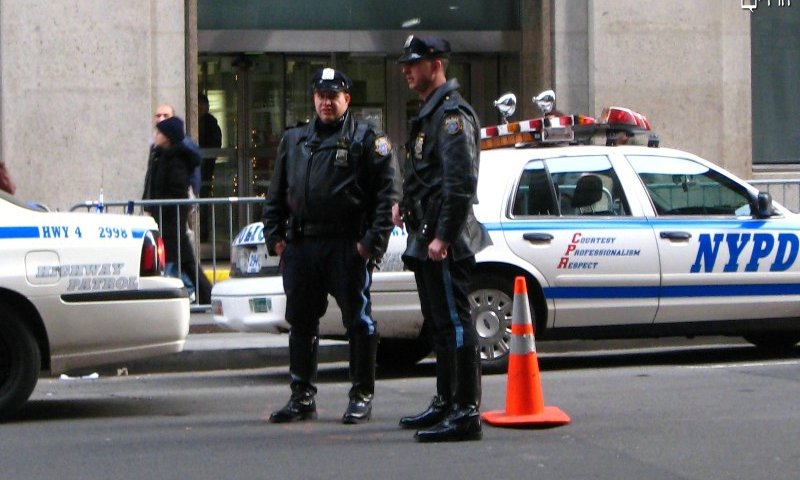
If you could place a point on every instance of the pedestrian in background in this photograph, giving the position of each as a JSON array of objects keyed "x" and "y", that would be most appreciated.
[
  {"x": 210, "y": 136},
  {"x": 163, "y": 112},
  {"x": 168, "y": 176},
  {"x": 328, "y": 215},
  {"x": 439, "y": 189}
]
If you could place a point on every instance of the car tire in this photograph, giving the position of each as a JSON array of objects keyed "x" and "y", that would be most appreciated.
[
  {"x": 775, "y": 341},
  {"x": 398, "y": 353},
  {"x": 491, "y": 298},
  {"x": 20, "y": 362}
]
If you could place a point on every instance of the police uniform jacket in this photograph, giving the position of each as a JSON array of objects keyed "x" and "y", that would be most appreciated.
[
  {"x": 333, "y": 185},
  {"x": 441, "y": 175}
]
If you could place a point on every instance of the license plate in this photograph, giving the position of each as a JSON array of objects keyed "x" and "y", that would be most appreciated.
[{"x": 261, "y": 305}]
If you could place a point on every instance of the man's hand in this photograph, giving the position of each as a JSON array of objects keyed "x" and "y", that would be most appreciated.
[
  {"x": 362, "y": 251},
  {"x": 397, "y": 217},
  {"x": 280, "y": 247},
  {"x": 437, "y": 250}
]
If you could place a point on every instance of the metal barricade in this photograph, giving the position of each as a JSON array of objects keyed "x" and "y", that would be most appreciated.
[{"x": 226, "y": 216}]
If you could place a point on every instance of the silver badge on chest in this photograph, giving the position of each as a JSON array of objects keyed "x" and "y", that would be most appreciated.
[
  {"x": 341, "y": 157},
  {"x": 418, "y": 145}
]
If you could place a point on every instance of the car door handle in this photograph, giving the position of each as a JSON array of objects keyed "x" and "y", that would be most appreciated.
[
  {"x": 676, "y": 235},
  {"x": 537, "y": 237}
]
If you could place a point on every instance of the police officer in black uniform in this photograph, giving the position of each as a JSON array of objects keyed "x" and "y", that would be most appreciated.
[
  {"x": 329, "y": 216},
  {"x": 439, "y": 189}
]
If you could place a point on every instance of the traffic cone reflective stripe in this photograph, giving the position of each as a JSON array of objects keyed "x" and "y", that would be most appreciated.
[{"x": 524, "y": 397}]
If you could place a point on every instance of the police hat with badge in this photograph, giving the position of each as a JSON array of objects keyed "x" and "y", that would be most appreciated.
[
  {"x": 420, "y": 48},
  {"x": 328, "y": 79}
]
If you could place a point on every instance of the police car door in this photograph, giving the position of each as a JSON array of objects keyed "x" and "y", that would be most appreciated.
[
  {"x": 570, "y": 220},
  {"x": 718, "y": 261}
]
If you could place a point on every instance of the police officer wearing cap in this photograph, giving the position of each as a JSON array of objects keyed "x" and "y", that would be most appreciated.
[
  {"x": 328, "y": 215},
  {"x": 439, "y": 189}
]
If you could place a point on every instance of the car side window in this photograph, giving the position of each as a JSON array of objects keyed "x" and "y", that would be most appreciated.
[
  {"x": 679, "y": 186},
  {"x": 587, "y": 186},
  {"x": 535, "y": 193},
  {"x": 569, "y": 186}
]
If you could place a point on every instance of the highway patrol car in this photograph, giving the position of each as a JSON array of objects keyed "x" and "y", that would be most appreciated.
[
  {"x": 614, "y": 240},
  {"x": 80, "y": 289}
]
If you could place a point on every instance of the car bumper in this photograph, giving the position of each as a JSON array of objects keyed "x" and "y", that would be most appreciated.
[
  {"x": 250, "y": 305},
  {"x": 259, "y": 305}
]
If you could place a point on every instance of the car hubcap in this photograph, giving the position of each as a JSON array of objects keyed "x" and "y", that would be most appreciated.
[{"x": 491, "y": 310}]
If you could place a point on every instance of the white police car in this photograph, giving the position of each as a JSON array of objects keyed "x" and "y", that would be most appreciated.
[
  {"x": 78, "y": 290},
  {"x": 615, "y": 241}
]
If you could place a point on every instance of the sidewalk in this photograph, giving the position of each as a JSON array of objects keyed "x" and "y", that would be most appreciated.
[{"x": 209, "y": 348}]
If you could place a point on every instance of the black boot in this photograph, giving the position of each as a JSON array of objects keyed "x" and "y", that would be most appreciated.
[
  {"x": 435, "y": 413},
  {"x": 363, "y": 349},
  {"x": 441, "y": 404},
  {"x": 301, "y": 406},
  {"x": 303, "y": 369},
  {"x": 464, "y": 420}
]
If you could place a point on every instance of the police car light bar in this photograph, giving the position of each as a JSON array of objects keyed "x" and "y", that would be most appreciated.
[
  {"x": 620, "y": 116},
  {"x": 554, "y": 130}
]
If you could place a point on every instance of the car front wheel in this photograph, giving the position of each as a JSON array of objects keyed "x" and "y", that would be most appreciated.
[
  {"x": 19, "y": 362},
  {"x": 490, "y": 300}
]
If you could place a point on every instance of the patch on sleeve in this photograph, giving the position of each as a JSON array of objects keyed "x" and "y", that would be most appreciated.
[
  {"x": 382, "y": 146},
  {"x": 452, "y": 124}
]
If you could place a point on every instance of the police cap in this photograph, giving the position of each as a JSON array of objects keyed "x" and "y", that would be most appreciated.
[
  {"x": 418, "y": 48},
  {"x": 331, "y": 80}
]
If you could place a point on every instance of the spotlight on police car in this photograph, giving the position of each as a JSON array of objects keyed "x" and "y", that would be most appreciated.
[
  {"x": 506, "y": 105},
  {"x": 546, "y": 101}
]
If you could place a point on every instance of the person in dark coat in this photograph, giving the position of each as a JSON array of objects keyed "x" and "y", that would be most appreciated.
[
  {"x": 439, "y": 189},
  {"x": 328, "y": 215},
  {"x": 168, "y": 176}
]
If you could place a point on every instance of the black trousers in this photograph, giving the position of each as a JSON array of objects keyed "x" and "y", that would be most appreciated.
[
  {"x": 179, "y": 250},
  {"x": 314, "y": 267},
  {"x": 443, "y": 293},
  {"x": 444, "y": 296}
]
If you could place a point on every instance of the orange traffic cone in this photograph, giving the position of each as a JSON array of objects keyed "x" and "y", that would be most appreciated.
[{"x": 524, "y": 398}]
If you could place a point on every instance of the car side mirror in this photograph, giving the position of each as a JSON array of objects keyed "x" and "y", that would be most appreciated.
[{"x": 764, "y": 208}]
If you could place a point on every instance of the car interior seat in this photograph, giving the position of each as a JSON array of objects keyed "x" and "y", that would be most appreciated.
[{"x": 588, "y": 191}]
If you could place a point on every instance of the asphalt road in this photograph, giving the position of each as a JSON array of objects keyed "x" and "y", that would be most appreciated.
[{"x": 693, "y": 412}]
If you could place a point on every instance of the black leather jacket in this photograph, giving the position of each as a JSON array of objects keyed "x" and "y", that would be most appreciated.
[
  {"x": 333, "y": 182},
  {"x": 441, "y": 176}
]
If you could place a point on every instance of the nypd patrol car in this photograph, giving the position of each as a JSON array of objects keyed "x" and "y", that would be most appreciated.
[
  {"x": 78, "y": 290},
  {"x": 614, "y": 241}
]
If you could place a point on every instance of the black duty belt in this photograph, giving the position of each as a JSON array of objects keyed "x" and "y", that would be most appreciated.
[{"x": 324, "y": 229}]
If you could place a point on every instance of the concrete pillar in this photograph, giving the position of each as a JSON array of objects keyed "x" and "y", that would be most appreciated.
[
  {"x": 78, "y": 85},
  {"x": 536, "y": 59},
  {"x": 190, "y": 39}
]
